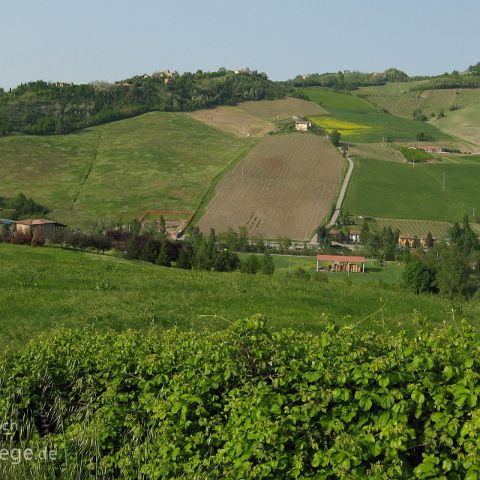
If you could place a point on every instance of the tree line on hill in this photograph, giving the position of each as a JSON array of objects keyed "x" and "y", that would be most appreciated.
[
  {"x": 58, "y": 107},
  {"x": 20, "y": 206},
  {"x": 197, "y": 252},
  {"x": 349, "y": 80},
  {"x": 54, "y": 108}
]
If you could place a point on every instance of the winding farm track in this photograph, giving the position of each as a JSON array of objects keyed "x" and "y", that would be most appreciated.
[
  {"x": 341, "y": 195},
  {"x": 340, "y": 199}
]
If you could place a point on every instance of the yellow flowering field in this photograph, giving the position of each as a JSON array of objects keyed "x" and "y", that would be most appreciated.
[{"x": 345, "y": 128}]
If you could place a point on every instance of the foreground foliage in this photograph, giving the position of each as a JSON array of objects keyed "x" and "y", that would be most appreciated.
[{"x": 246, "y": 403}]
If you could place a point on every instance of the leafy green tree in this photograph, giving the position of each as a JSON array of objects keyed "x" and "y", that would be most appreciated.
[
  {"x": 267, "y": 265},
  {"x": 162, "y": 228},
  {"x": 150, "y": 251},
  {"x": 212, "y": 237},
  {"x": 335, "y": 137},
  {"x": 418, "y": 276},
  {"x": 134, "y": 247},
  {"x": 464, "y": 237},
  {"x": 453, "y": 272},
  {"x": 226, "y": 261},
  {"x": 322, "y": 235},
  {"x": 474, "y": 69},
  {"x": 242, "y": 239},
  {"x": 429, "y": 240},
  {"x": 284, "y": 244},
  {"x": 185, "y": 257},
  {"x": 163, "y": 258},
  {"x": 418, "y": 114}
]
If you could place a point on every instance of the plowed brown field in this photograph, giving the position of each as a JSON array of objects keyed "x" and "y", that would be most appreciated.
[
  {"x": 233, "y": 120},
  {"x": 271, "y": 110},
  {"x": 284, "y": 187}
]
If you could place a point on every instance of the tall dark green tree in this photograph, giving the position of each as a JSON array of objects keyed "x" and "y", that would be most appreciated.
[
  {"x": 418, "y": 276},
  {"x": 453, "y": 272},
  {"x": 335, "y": 137}
]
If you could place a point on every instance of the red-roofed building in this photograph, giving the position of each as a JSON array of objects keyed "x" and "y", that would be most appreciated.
[{"x": 341, "y": 263}]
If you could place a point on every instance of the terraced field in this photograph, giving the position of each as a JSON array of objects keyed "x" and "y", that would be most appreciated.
[
  {"x": 376, "y": 151},
  {"x": 284, "y": 187},
  {"x": 256, "y": 118},
  {"x": 158, "y": 160},
  {"x": 234, "y": 120},
  {"x": 416, "y": 227},
  {"x": 270, "y": 110},
  {"x": 404, "y": 102},
  {"x": 361, "y": 121}
]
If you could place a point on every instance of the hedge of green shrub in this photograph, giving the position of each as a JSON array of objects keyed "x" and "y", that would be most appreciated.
[{"x": 244, "y": 403}]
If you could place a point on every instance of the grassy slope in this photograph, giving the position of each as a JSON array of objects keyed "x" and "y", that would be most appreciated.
[
  {"x": 157, "y": 160},
  {"x": 464, "y": 123},
  {"x": 399, "y": 100},
  {"x": 47, "y": 287},
  {"x": 394, "y": 190},
  {"x": 350, "y": 108}
]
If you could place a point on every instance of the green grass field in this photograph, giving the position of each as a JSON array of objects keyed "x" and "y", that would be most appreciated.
[
  {"x": 48, "y": 287},
  {"x": 402, "y": 101},
  {"x": 395, "y": 190},
  {"x": 373, "y": 124},
  {"x": 464, "y": 123},
  {"x": 155, "y": 161},
  {"x": 390, "y": 272}
]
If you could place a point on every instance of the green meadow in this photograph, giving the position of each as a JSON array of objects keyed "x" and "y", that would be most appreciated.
[
  {"x": 396, "y": 190},
  {"x": 155, "y": 161},
  {"x": 464, "y": 123},
  {"x": 389, "y": 272},
  {"x": 374, "y": 125},
  {"x": 43, "y": 288}
]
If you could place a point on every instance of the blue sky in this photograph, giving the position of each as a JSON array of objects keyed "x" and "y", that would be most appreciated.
[{"x": 88, "y": 40}]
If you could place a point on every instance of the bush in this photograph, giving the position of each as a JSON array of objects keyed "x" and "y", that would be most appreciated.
[
  {"x": 266, "y": 265},
  {"x": 246, "y": 403},
  {"x": 250, "y": 265},
  {"x": 301, "y": 274},
  {"x": 419, "y": 115}
]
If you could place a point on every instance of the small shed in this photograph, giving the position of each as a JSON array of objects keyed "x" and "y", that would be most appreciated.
[
  {"x": 341, "y": 263},
  {"x": 46, "y": 227}
]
